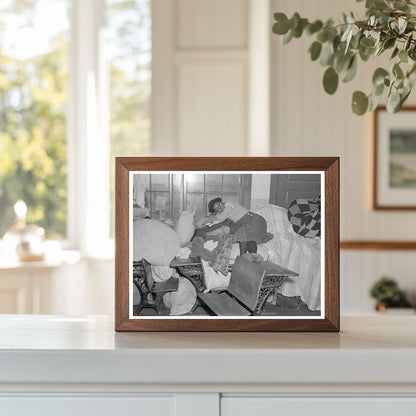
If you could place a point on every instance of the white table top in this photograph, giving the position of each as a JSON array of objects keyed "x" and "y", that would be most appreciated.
[{"x": 57, "y": 349}]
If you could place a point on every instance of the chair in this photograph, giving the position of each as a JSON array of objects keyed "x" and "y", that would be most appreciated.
[
  {"x": 242, "y": 296},
  {"x": 250, "y": 285},
  {"x": 151, "y": 292}
]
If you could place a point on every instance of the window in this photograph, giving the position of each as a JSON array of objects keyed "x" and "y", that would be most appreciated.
[
  {"x": 33, "y": 103},
  {"x": 75, "y": 87},
  {"x": 129, "y": 45},
  {"x": 165, "y": 196}
]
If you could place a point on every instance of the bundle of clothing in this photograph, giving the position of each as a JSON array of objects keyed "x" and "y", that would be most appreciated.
[{"x": 216, "y": 255}]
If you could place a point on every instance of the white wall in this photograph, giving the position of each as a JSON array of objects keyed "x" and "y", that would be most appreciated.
[
  {"x": 206, "y": 82},
  {"x": 308, "y": 122}
]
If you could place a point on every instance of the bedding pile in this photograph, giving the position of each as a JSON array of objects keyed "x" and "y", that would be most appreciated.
[{"x": 297, "y": 253}]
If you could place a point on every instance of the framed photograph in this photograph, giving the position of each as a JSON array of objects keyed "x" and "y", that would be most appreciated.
[
  {"x": 394, "y": 159},
  {"x": 227, "y": 244}
]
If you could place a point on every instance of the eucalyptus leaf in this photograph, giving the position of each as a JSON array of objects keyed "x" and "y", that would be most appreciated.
[
  {"x": 378, "y": 89},
  {"x": 327, "y": 54},
  {"x": 314, "y": 27},
  {"x": 341, "y": 62},
  {"x": 315, "y": 50},
  {"x": 393, "y": 101},
  {"x": 379, "y": 75},
  {"x": 288, "y": 37},
  {"x": 281, "y": 26},
  {"x": 408, "y": 42},
  {"x": 330, "y": 80},
  {"x": 397, "y": 71},
  {"x": 359, "y": 103},
  {"x": 350, "y": 73},
  {"x": 403, "y": 56},
  {"x": 376, "y": 4},
  {"x": 388, "y": 24},
  {"x": 374, "y": 102},
  {"x": 402, "y": 22},
  {"x": 389, "y": 43},
  {"x": 395, "y": 52}
]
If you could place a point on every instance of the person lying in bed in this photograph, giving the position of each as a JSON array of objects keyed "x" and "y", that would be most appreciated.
[{"x": 248, "y": 228}]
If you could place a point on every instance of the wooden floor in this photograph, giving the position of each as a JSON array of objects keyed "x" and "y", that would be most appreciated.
[{"x": 268, "y": 310}]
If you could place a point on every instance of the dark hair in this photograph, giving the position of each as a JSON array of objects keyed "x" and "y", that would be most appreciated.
[{"x": 211, "y": 204}]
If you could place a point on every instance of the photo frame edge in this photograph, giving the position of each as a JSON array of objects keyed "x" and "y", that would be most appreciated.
[{"x": 331, "y": 321}]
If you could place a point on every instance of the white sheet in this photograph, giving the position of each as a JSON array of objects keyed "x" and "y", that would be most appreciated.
[{"x": 297, "y": 253}]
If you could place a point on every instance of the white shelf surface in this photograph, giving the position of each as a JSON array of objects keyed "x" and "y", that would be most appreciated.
[{"x": 53, "y": 349}]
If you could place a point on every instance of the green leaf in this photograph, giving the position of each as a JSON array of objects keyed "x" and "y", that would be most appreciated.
[
  {"x": 403, "y": 56},
  {"x": 314, "y": 27},
  {"x": 298, "y": 30},
  {"x": 359, "y": 103},
  {"x": 376, "y": 4},
  {"x": 281, "y": 27},
  {"x": 378, "y": 89},
  {"x": 395, "y": 52},
  {"x": 397, "y": 71},
  {"x": 330, "y": 80},
  {"x": 341, "y": 61},
  {"x": 408, "y": 42},
  {"x": 366, "y": 53},
  {"x": 327, "y": 53},
  {"x": 374, "y": 101},
  {"x": 288, "y": 37},
  {"x": 315, "y": 50},
  {"x": 389, "y": 43},
  {"x": 351, "y": 71},
  {"x": 379, "y": 75},
  {"x": 393, "y": 101},
  {"x": 367, "y": 42}
]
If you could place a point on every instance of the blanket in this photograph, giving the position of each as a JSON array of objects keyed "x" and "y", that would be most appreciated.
[{"x": 297, "y": 253}]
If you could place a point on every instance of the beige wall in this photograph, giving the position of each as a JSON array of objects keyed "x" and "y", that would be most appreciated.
[
  {"x": 216, "y": 86},
  {"x": 307, "y": 121}
]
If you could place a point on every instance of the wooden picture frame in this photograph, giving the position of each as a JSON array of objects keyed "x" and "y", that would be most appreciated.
[
  {"x": 326, "y": 167},
  {"x": 394, "y": 158}
]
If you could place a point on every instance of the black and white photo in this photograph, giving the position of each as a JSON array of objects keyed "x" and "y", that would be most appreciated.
[{"x": 226, "y": 244}]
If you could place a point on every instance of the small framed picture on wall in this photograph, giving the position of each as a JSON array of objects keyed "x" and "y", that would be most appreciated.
[
  {"x": 394, "y": 179},
  {"x": 227, "y": 244}
]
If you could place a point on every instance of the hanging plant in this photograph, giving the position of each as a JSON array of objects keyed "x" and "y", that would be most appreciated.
[{"x": 388, "y": 27}]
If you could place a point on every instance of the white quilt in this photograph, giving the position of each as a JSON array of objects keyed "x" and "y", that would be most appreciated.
[{"x": 297, "y": 253}]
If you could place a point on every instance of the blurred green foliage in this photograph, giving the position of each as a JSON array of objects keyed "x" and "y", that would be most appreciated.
[
  {"x": 386, "y": 291},
  {"x": 33, "y": 109},
  {"x": 33, "y": 97}
]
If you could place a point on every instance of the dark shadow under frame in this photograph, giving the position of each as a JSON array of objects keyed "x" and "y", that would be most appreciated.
[{"x": 329, "y": 165}]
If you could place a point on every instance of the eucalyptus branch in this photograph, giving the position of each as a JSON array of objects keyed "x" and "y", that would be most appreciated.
[{"x": 389, "y": 25}]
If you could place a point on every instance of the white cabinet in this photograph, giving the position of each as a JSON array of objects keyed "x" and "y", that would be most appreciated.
[
  {"x": 88, "y": 406},
  {"x": 79, "y": 366},
  {"x": 324, "y": 406}
]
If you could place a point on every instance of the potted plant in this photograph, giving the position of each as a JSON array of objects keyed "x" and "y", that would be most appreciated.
[
  {"x": 389, "y": 27},
  {"x": 387, "y": 294}
]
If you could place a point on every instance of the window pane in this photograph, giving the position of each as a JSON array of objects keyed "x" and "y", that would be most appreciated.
[
  {"x": 129, "y": 45},
  {"x": 194, "y": 182},
  {"x": 160, "y": 206},
  {"x": 231, "y": 183},
  {"x": 160, "y": 182},
  {"x": 195, "y": 202},
  {"x": 33, "y": 100},
  {"x": 213, "y": 183}
]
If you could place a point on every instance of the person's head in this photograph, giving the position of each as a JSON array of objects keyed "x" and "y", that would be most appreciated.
[{"x": 216, "y": 205}]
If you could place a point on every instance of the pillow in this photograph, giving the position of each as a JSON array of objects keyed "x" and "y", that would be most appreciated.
[
  {"x": 154, "y": 241},
  {"x": 182, "y": 301},
  {"x": 185, "y": 227}
]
